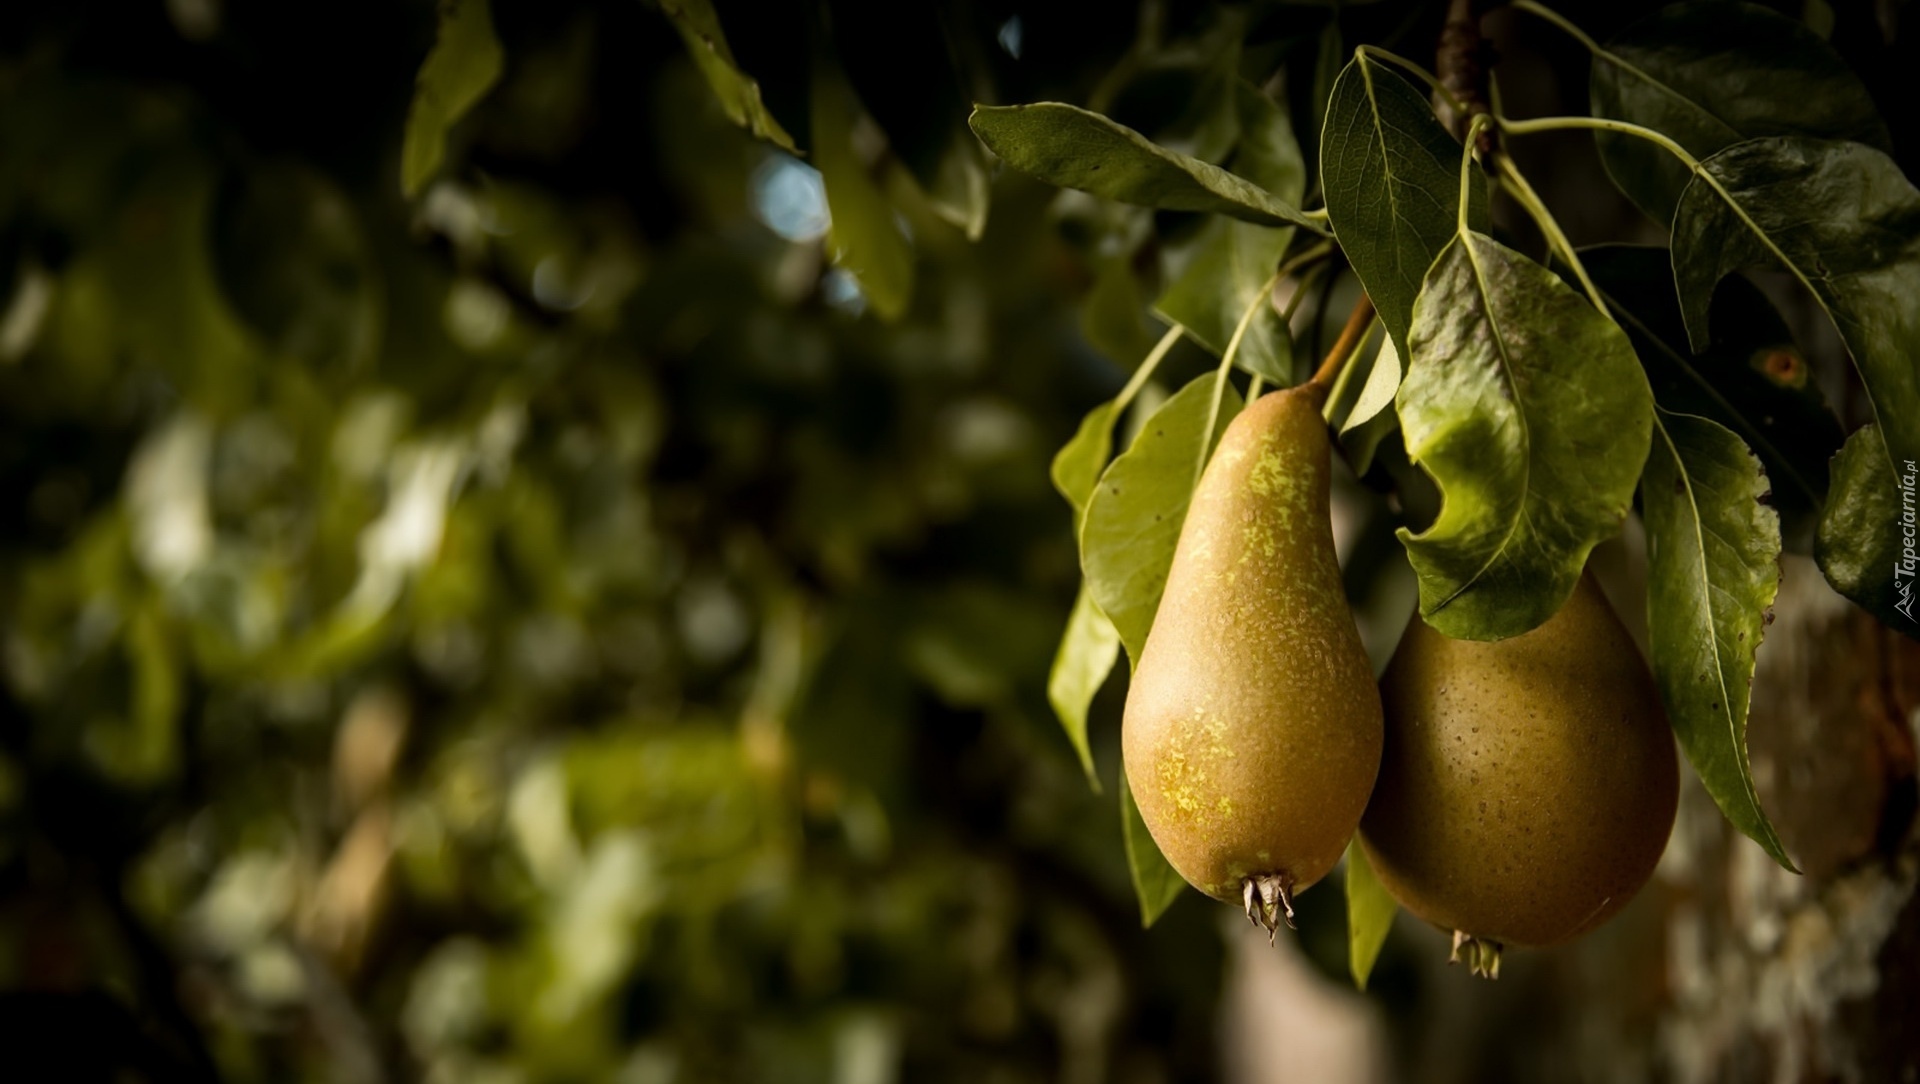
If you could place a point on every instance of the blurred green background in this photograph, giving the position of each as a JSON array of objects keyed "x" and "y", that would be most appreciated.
[
  {"x": 549, "y": 628},
  {"x": 542, "y": 630}
]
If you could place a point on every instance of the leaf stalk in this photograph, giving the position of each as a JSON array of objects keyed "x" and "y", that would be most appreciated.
[{"x": 1537, "y": 208}]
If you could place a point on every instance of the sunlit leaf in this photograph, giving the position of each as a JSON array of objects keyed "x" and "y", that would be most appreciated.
[
  {"x": 1155, "y": 882},
  {"x": 1086, "y": 656},
  {"x": 1384, "y": 373},
  {"x": 1078, "y": 463},
  {"x": 1232, "y": 261},
  {"x": 1370, "y": 911},
  {"x": 1867, "y": 545},
  {"x": 1713, "y": 567},
  {"x": 864, "y": 237},
  {"x": 1070, "y": 147},
  {"x": 1710, "y": 74},
  {"x": 739, "y": 95},
  {"x": 1134, "y": 516},
  {"x": 465, "y": 63},
  {"x": 1530, "y": 412}
]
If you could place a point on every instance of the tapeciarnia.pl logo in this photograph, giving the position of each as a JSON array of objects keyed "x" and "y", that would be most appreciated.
[{"x": 1909, "y": 562}]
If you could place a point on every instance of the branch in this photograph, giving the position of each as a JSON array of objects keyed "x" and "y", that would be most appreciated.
[{"x": 1461, "y": 61}]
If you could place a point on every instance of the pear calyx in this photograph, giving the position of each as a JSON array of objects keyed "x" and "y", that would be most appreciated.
[
  {"x": 1481, "y": 955},
  {"x": 1269, "y": 901}
]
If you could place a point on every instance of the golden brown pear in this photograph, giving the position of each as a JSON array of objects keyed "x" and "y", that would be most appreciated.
[
  {"x": 1528, "y": 785},
  {"x": 1252, "y": 730}
]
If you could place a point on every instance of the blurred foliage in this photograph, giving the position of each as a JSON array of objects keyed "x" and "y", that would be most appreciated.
[
  {"x": 562, "y": 625},
  {"x": 541, "y": 630}
]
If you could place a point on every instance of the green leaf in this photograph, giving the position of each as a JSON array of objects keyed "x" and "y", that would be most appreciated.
[
  {"x": 1391, "y": 177},
  {"x": 957, "y": 188},
  {"x": 1232, "y": 262},
  {"x": 1214, "y": 116},
  {"x": 1751, "y": 378},
  {"x": 1072, "y": 148},
  {"x": 1081, "y": 665},
  {"x": 1382, "y": 382},
  {"x": 1078, "y": 463},
  {"x": 1114, "y": 316},
  {"x": 1370, "y": 911},
  {"x": 1844, "y": 220},
  {"x": 1155, "y": 882},
  {"x": 465, "y": 62},
  {"x": 1089, "y": 645},
  {"x": 1713, "y": 567},
  {"x": 864, "y": 237},
  {"x": 1134, "y": 516},
  {"x": 1867, "y": 541},
  {"x": 1329, "y": 59},
  {"x": 912, "y": 91},
  {"x": 1360, "y": 407},
  {"x": 1529, "y": 410},
  {"x": 739, "y": 96},
  {"x": 1710, "y": 75}
]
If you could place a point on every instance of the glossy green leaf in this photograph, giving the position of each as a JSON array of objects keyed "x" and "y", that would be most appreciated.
[
  {"x": 1529, "y": 411},
  {"x": 1391, "y": 177},
  {"x": 1114, "y": 316},
  {"x": 1370, "y": 911},
  {"x": 1070, "y": 147},
  {"x": 1155, "y": 882},
  {"x": 1842, "y": 217},
  {"x": 864, "y": 237},
  {"x": 1751, "y": 378},
  {"x": 1713, "y": 567},
  {"x": 1709, "y": 75},
  {"x": 1086, "y": 656},
  {"x": 1232, "y": 262},
  {"x": 739, "y": 95},
  {"x": 1867, "y": 545},
  {"x": 1133, "y": 519},
  {"x": 465, "y": 63}
]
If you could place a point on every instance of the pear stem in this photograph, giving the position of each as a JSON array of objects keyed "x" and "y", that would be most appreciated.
[
  {"x": 1345, "y": 346},
  {"x": 1482, "y": 955}
]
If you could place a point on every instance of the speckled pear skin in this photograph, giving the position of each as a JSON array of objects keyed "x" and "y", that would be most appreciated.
[
  {"x": 1529, "y": 784},
  {"x": 1252, "y": 730}
]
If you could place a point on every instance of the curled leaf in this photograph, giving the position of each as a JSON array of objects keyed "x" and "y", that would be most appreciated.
[{"x": 1528, "y": 409}]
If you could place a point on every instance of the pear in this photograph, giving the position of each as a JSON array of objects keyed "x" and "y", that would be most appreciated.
[
  {"x": 1528, "y": 785},
  {"x": 1252, "y": 730}
]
